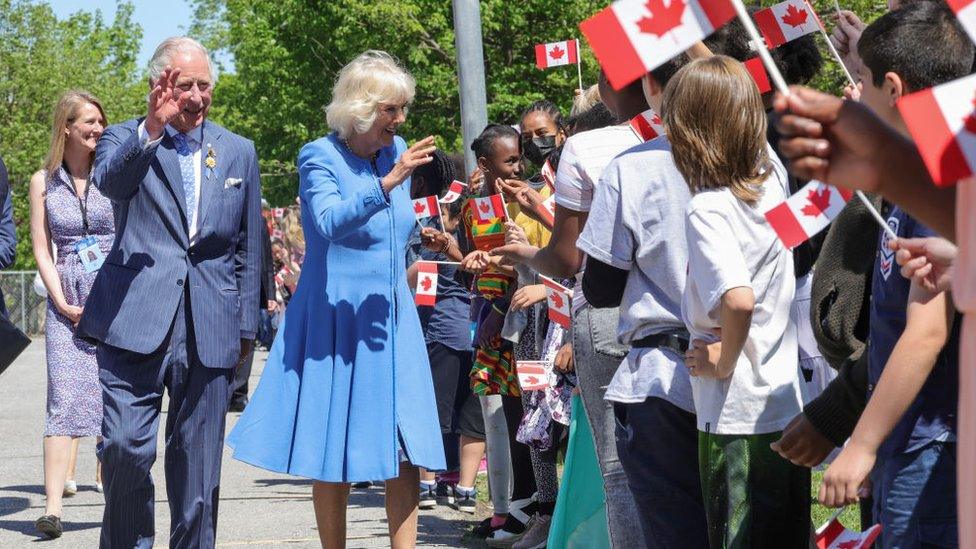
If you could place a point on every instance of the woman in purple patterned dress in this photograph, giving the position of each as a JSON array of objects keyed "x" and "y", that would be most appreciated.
[{"x": 70, "y": 214}]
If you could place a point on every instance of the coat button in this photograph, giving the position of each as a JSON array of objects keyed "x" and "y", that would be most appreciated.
[{"x": 179, "y": 282}]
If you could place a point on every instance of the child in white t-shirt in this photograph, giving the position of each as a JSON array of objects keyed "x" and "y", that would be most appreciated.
[{"x": 736, "y": 305}]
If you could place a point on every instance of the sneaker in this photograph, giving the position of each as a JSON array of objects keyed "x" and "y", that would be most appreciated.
[
  {"x": 535, "y": 536},
  {"x": 361, "y": 485},
  {"x": 444, "y": 492},
  {"x": 484, "y": 528},
  {"x": 520, "y": 516},
  {"x": 465, "y": 501},
  {"x": 70, "y": 488},
  {"x": 428, "y": 498}
]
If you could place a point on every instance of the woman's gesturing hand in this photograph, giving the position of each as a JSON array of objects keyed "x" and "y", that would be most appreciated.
[{"x": 417, "y": 155}]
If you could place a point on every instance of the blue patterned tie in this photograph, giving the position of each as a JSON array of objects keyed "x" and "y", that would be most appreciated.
[{"x": 185, "y": 155}]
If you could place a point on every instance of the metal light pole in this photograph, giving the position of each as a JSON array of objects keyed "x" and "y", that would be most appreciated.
[{"x": 471, "y": 75}]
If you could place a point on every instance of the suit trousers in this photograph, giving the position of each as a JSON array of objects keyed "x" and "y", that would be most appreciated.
[{"x": 132, "y": 390}]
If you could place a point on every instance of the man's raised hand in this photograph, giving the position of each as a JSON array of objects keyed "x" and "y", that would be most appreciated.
[{"x": 165, "y": 103}]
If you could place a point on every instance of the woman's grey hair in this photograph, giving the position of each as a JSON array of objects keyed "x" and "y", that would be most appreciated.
[
  {"x": 163, "y": 56},
  {"x": 371, "y": 78}
]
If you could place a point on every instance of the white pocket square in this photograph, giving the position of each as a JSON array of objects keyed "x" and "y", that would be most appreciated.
[{"x": 232, "y": 182}]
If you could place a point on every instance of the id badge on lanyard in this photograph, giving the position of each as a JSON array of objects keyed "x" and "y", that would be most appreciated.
[{"x": 87, "y": 248}]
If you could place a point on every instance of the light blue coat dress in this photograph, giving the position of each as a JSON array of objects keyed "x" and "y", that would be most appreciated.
[{"x": 347, "y": 384}]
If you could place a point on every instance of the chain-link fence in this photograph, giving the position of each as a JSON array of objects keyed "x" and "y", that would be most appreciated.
[{"x": 25, "y": 308}]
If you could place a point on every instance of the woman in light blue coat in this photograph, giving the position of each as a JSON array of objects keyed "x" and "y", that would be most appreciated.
[{"x": 346, "y": 394}]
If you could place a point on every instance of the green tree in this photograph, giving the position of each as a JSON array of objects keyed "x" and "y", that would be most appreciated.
[
  {"x": 41, "y": 57},
  {"x": 287, "y": 53}
]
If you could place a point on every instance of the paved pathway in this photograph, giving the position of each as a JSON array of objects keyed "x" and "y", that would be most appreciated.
[{"x": 257, "y": 508}]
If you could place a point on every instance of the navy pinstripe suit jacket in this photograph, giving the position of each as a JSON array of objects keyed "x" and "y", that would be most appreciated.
[{"x": 134, "y": 297}]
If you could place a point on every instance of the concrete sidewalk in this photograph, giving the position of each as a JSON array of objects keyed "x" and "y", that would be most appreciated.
[{"x": 257, "y": 508}]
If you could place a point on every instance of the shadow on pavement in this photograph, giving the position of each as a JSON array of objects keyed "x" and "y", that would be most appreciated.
[{"x": 9, "y": 506}]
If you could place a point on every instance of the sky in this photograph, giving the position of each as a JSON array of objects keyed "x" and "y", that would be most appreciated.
[{"x": 159, "y": 19}]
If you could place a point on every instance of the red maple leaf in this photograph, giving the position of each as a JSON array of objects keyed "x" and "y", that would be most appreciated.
[
  {"x": 531, "y": 380},
  {"x": 656, "y": 120},
  {"x": 557, "y": 300},
  {"x": 556, "y": 52},
  {"x": 484, "y": 207},
  {"x": 970, "y": 120},
  {"x": 795, "y": 17},
  {"x": 419, "y": 207},
  {"x": 663, "y": 19},
  {"x": 854, "y": 543},
  {"x": 817, "y": 202},
  {"x": 426, "y": 283}
]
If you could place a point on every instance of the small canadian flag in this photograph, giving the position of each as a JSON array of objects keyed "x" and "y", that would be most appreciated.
[
  {"x": 277, "y": 234},
  {"x": 555, "y": 54},
  {"x": 634, "y": 37},
  {"x": 532, "y": 375},
  {"x": 426, "y": 207},
  {"x": 758, "y": 73},
  {"x": 942, "y": 122},
  {"x": 453, "y": 192},
  {"x": 807, "y": 212},
  {"x": 426, "y": 284},
  {"x": 834, "y": 535},
  {"x": 647, "y": 125},
  {"x": 547, "y": 210},
  {"x": 489, "y": 208},
  {"x": 278, "y": 213},
  {"x": 558, "y": 297},
  {"x": 786, "y": 21},
  {"x": 548, "y": 175},
  {"x": 966, "y": 13}
]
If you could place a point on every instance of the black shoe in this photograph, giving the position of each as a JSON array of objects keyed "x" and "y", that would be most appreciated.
[
  {"x": 237, "y": 406},
  {"x": 50, "y": 526},
  {"x": 363, "y": 484},
  {"x": 484, "y": 529}
]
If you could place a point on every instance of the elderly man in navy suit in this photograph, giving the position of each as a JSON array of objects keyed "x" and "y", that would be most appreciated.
[{"x": 175, "y": 304}]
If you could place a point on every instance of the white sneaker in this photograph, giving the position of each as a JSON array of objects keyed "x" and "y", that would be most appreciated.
[
  {"x": 70, "y": 488},
  {"x": 99, "y": 488}
]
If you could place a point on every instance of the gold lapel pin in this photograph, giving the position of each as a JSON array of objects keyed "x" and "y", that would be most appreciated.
[{"x": 211, "y": 160}]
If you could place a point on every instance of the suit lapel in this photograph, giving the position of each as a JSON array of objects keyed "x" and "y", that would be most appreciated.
[
  {"x": 210, "y": 178},
  {"x": 168, "y": 161}
]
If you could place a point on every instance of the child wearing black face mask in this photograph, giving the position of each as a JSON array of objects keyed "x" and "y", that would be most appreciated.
[{"x": 542, "y": 131}]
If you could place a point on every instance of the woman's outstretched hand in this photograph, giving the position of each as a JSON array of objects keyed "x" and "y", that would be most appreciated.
[{"x": 417, "y": 155}]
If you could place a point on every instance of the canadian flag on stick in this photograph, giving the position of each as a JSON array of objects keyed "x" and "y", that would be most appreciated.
[
  {"x": 278, "y": 213},
  {"x": 453, "y": 192},
  {"x": 547, "y": 210},
  {"x": 488, "y": 208},
  {"x": 942, "y": 122},
  {"x": 426, "y": 207},
  {"x": 647, "y": 125},
  {"x": 966, "y": 13},
  {"x": 786, "y": 21},
  {"x": 532, "y": 375},
  {"x": 558, "y": 297},
  {"x": 426, "y": 284},
  {"x": 834, "y": 535},
  {"x": 555, "y": 54},
  {"x": 758, "y": 73},
  {"x": 633, "y": 37},
  {"x": 807, "y": 212}
]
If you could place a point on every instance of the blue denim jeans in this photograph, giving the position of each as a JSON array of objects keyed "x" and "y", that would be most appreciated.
[
  {"x": 597, "y": 355},
  {"x": 658, "y": 447},
  {"x": 915, "y": 498}
]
